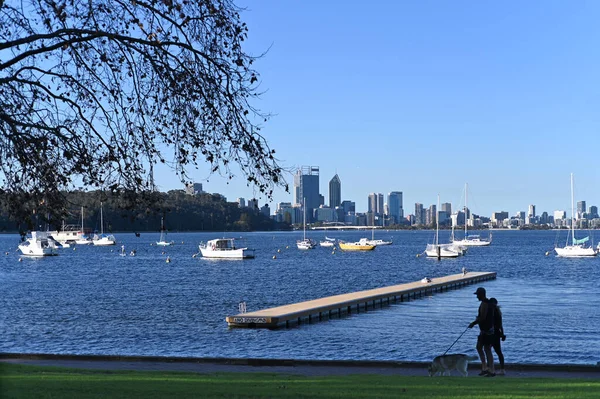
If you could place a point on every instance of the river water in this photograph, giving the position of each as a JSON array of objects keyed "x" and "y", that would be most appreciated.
[{"x": 90, "y": 300}]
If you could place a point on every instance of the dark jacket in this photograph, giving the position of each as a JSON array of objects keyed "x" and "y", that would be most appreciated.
[{"x": 485, "y": 317}]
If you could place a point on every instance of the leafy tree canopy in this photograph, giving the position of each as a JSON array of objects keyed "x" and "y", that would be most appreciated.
[{"x": 95, "y": 93}]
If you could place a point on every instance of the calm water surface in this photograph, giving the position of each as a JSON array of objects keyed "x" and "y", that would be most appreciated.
[{"x": 90, "y": 300}]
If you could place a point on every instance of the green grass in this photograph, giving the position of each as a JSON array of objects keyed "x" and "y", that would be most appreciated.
[{"x": 20, "y": 381}]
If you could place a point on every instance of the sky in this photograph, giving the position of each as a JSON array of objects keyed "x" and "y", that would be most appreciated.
[{"x": 425, "y": 96}]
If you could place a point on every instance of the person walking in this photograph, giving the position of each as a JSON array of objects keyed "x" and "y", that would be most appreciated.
[
  {"x": 485, "y": 320},
  {"x": 498, "y": 334}
]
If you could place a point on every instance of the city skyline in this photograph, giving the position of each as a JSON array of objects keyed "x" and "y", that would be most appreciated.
[{"x": 489, "y": 94}]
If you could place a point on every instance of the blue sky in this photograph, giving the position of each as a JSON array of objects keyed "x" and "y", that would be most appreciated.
[{"x": 423, "y": 96}]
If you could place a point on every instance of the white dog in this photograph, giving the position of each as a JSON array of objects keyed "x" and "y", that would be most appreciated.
[{"x": 443, "y": 365}]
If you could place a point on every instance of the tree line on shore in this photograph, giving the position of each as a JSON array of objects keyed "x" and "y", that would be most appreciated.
[{"x": 123, "y": 212}]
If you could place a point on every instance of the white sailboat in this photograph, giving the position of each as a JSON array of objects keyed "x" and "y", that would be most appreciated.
[
  {"x": 377, "y": 242},
  {"x": 305, "y": 243},
  {"x": 578, "y": 248},
  {"x": 163, "y": 235},
  {"x": 472, "y": 240},
  {"x": 437, "y": 250},
  {"x": 103, "y": 240},
  {"x": 83, "y": 239}
]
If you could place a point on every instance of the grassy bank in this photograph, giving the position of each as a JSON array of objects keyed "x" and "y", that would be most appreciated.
[{"x": 18, "y": 381}]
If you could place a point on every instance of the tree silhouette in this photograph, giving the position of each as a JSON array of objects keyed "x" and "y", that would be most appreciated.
[{"x": 94, "y": 94}]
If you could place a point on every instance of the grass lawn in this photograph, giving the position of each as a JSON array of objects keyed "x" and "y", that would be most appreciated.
[{"x": 19, "y": 381}]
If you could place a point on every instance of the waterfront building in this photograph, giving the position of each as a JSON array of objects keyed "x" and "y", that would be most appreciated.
[
  {"x": 443, "y": 217},
  {"x": 419, "y": 213},
  {"x": 581, "y": 208},
  {"x": 430, "y": 215},
  {"x": 376, "y": 204},
  {"x": 265, "y": 210},
  {"x": 253, "y": 204},
  {"x": 593, "y": 212},
  {"x": 348, "y": 206},
  {"x": 446, "y": 207},
  {"x": 335, "y": 191},
  {"x": 193, "y": 188},
  {"x": 498, "y": 218},
  {"x": 395, "y": 209},
  {"x": 325, "y": 214},
  {"x": 306, "y": 188},
  {"x": 531, "y": 211},
  {"x": 241, "y": 202}
]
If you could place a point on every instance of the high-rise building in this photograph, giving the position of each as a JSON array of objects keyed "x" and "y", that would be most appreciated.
[
  {"x": 531, "y": 212},
  {"x": 265, "y": 210},
  {"x": 395, "y": 206},
  {"x": 193, "y": 188},
  {"x": 241, "y": 202},
  {"x": 348, "y": 206},
  {"x": 431, "y": 217},
  {"x": 446, "y": 207},
  {"x": 253, "y": 204},
  {"x": 335, "y": 191},
  {"x": 376, "y": 203},
  {"x": 419, "y": 214},
  {"x": 306, "y": 188},
  {"x": 593, "y": 212},
  {"x": 581, "y": 208}
]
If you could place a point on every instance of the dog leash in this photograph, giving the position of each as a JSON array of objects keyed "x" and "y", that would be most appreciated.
[{"x": 455, "y": 341}]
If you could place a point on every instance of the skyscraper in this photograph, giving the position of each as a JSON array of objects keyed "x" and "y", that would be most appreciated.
[
  {"x": 306, "y": 187},
  {"x": 376, "y": 203},
  {"x": 335, "y": 191},
  {"x": 581, "y": 209},
  {"x": 395, "y": 206},
  {"x": 446, "y": 207},
  {"x": 419, "y": 214}
]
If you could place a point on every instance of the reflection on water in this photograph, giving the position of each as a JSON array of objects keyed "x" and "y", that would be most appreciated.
[{"x": 90, "y": 300}]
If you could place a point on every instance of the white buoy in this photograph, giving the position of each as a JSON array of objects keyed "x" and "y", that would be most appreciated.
[
  {"x": 20, "y": 260},
  {"x": 274, "y": 257},
  {"x": 168, "y": 260},
  {"x": 547, "y": 253},
  {"x": 194, "y": 255},
  {"x": 279, "y": 250},
  {"x": 287, "y": 247}
]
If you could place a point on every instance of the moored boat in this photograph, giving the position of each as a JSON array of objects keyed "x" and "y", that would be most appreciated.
[
  {"x": 224, "y": 248},
  {"x": 361, "y": 245},
  {"x": 39, "y": 244}
]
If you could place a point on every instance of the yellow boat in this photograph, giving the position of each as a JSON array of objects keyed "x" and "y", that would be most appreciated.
[{"x": 356, "y": 246}]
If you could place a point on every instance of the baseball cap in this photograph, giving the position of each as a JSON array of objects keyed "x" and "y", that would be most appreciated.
[{"x": 480, "y": 290}]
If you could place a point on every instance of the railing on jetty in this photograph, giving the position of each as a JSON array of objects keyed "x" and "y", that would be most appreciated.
[{"x": 318, "y": 309}]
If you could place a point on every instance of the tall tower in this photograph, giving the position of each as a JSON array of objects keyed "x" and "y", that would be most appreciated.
[
  {"x": 395, "y": 206},
  {"x": 335, "y": 191},
  {"x": 306, "y": 187}
]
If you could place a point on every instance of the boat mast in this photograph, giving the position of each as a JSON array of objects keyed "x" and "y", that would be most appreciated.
[
  {"x": 437, "y": 224},
  {"x": 466, "y": 208},
  {"x": 101, "y": 221},
  {"x": 572, "y": 214},
  {"x": 304, "y": 217}
]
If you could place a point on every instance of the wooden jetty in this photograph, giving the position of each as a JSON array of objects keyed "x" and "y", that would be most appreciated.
[{"x": 318, "y": 309}]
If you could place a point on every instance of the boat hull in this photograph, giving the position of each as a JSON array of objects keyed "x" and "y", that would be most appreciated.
[
  {"x": 472, "y": 243},
  {"x": 238, "y": 253},
  {"x": 441, "y": 251},
  {"x": 345, "y": 246},
  {"x": 575, "y": 251}
]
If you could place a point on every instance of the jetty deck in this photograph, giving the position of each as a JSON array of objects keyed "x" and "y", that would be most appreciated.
[{"x": 318, "y": 309}]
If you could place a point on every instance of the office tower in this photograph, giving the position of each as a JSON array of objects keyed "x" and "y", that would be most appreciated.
[
  {"x": 253, "y": 204},
  {"x": 431, "y": 217},
  {"x": 395, "y": 206},
  {"x": 348, "y": 206},
  {"x": 593, "y": 212},
  {"x": 306, "y": 187},
  {"x": 241, "y": 202},
  {"x": 193, "y": 188},
  {"x": 335, "y": 191},
  {"x": 559, "y": 215},
  {"x": 376, "y": 203},
  {"x": 446, "y": 207},
  {"x": 581, "y": 208},
  {"x": 531, "y": 212},
  {"x": 265, "y": 210},
  {"x": 419, "y": 214}
]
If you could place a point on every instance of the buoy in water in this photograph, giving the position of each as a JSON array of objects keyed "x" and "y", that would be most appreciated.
[
  {"x": 274, "y": 257},
  {"x": 547, "y": 253},
  {"x": 287, "y": 247},
  {"x": 418, "y": 255},
  {"x": 168, "y": 260},
  {"x": 279, "y": 250},
  {"x": 194, "y": 255},
  {"x": 333, "y": 252},
  {"x": 20, "y": 260}
]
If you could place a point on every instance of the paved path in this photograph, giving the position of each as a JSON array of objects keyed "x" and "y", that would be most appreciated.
[{"x": 305, "y": 368}]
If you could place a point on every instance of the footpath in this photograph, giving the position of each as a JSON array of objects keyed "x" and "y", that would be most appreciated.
[{"x": 282, "y": 366}]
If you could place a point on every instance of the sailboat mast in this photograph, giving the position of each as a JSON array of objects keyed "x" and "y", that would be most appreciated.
[
  {"x": 304, "y": 217},
  {"x": 466, "y": 207},
  {"x": 101, "y": 220},
  {"x": 572, "y": 213},
  {"x": 437, "y": 223}
]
